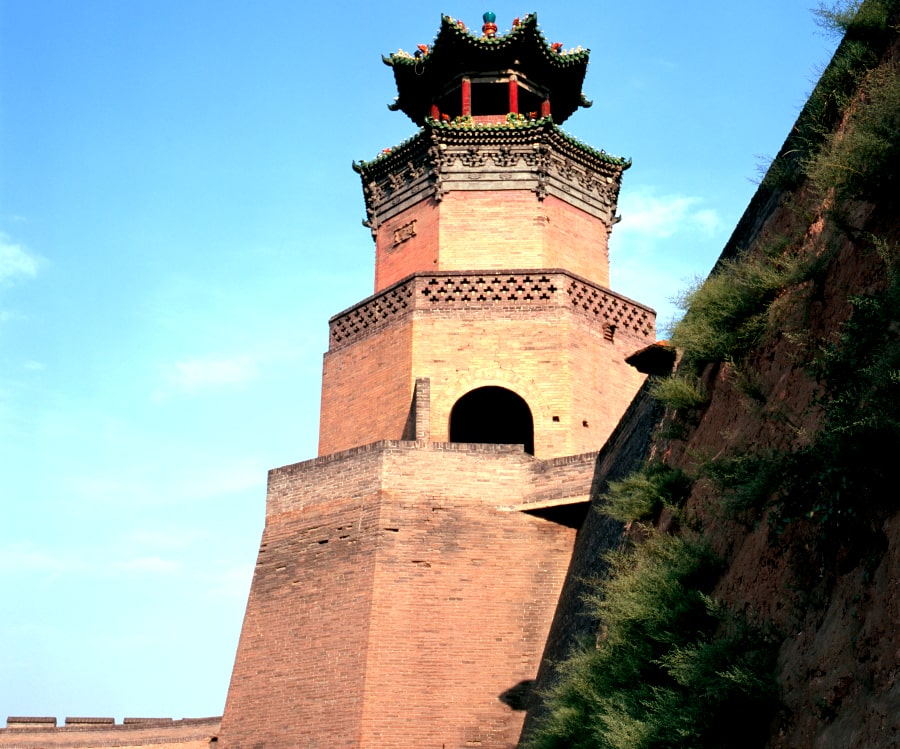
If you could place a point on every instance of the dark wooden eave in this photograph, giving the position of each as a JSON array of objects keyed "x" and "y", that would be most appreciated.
[{"x": 457, "y": 52}]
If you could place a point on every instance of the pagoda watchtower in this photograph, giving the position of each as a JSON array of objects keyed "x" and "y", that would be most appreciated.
[
  {"x": 491, "y": 264},
  {"x": 407, "y": 577}
]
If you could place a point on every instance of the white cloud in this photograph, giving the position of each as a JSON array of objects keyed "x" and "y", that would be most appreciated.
[
  {"x": 142, "y": 486},
  {"x": 15, "y": 261},
  {"x": 211, "y": 373},
  {"x": 654, "y": 216},
  {"x": 21, "y": 558}
]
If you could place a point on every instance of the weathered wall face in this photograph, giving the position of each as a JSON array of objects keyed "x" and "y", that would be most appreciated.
[
  {"x": 300, "y": 666},
  {"x": 381, "y": 613},
  {"x": 814, "y": 560}
]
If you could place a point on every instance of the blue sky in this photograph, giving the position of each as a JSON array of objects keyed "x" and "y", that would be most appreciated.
[{"x": 178, "y": 221}]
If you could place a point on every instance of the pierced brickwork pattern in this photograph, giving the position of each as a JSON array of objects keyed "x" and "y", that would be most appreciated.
[
  {"x": 370, "y": 316},
  {"x": 516, "y": 290},
  {"x": 450, "y": 291},
  {"x": 612, "y": 310}
]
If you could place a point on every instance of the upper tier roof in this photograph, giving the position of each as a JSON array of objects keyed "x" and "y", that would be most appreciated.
[{"x": 456, "y": 52}]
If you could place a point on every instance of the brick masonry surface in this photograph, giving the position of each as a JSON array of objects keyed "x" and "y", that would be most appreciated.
[
  {"x": 479, "y": 230},
  {"x": 553, "y": 338},
  {"x": 398, "y": 600}
]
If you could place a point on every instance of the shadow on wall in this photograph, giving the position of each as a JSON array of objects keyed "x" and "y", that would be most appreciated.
[{"x": 519, "y": 696}]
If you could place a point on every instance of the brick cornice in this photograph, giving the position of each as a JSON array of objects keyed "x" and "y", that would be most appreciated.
[
  {"x": 537, "y": 157},
  {"x": 509, "y": 290}
]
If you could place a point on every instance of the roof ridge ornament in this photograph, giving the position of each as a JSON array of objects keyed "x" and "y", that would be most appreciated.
[
  {"x": 516, "y": 71},
  {"x": 490, "y": 26}
]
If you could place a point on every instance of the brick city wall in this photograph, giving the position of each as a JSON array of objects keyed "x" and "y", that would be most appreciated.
[
  {"x": 397, "y": 600},
  {"x": 517, "y": 231},
  {"x": 100, "y": 733}
]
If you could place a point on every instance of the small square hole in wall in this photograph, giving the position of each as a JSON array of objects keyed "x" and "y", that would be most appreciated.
[
  {"x": 584, "y": 423},
  {"x": 556, "y": 418}
]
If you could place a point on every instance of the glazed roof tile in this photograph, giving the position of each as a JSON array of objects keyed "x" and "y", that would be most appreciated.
[
  {"x": 481, "y": 132},
  {"x": 456, "y": 52}
]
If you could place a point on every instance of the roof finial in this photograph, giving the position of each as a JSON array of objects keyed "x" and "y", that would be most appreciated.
[{"x": 490, "y": 27}]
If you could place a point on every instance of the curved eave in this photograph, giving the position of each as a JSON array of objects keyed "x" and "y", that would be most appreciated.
[
  {"x": 400, "y": 153},
  {"x": 456, "y": 52}
]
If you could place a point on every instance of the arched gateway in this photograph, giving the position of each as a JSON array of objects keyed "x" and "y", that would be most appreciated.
[{"x": 494, "y": 415}]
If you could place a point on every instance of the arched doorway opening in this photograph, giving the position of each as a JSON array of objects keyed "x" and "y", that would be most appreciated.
[{"x": 494, "y": 415}]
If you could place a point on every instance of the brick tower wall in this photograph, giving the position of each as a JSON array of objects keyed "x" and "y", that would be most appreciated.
[
  {"x": 300, "y": 667},
  {"x": 367, "y": 390},
  {"x": 407, "y": 243},
  {"x": 488, "y": 230},
  {"x": 397, "y": 599},
  {"x": 552, "y": 352},
  {"x": 561, "y": 364},
  {"x": 463, "y": 601}
]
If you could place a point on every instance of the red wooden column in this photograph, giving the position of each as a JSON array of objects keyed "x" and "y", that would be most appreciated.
[
  {"x": 513, "y": 94},
  {"x": 466, "y": 97},
  {"x": 545, "y": 107}
]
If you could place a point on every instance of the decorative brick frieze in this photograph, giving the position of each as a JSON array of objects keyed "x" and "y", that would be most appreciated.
[
  {"x": 513, "y": 289},
  {"x": 371, "y": 314},
  {"x": 539, "y": 158}
]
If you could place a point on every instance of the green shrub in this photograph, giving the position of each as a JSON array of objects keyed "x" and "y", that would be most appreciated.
[
  {"x": 672, "y": 667},
  {"x": 727, "y": 314},
  {"x": 747, "y": 481},
  {"x": 857, "y": 18},
  {"x": 863, "y": 161},
  {"x": 866, "y": 27},
  {"x": 644, "y": 493},
  {"x": 680, "y": 391}
]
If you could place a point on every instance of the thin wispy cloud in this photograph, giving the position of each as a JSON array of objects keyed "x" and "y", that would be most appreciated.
[
  {"x": 203, "y": 374},
  {"x": 140, "y": 486},
  {"x": 230, "y": 583},
  {"x": 24, "y": 559},
  {"x": 16, "y": 262},
  {"x": 654, "y": 216},
  {"x": 21, "y": 558}
]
